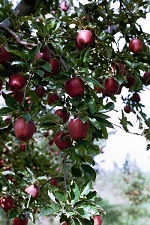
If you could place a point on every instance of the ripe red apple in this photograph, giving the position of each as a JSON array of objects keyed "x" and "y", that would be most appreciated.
[
  {"x": 74, "y": 87},
  {"x": 24, "y": 131},
  {"x": 17, "y": 82},
  {"x": 130, "y": 82},
  {"x": 54, "y": 182},
  {"x": 22, "y": 146},
  {"x": 146, "y": 78},
  {"x": 46, "y": 55},
  {"x": 55, "y": 64},
  {"x": 135, "y": 97},
  {"x": 127, "y": 108},
  {"x": 6, "y": 150},
  {"x": 39, "y": 55},
  {"x": 135, "y": 46},
  {"x": 77, "y": 129},
  {"x": 62, "y": 140},
  {"x": 62, "y": 113},
  {"x": 18, "y": 96},
  {"x": 97, "y": 220},
  {"x": 50, "y": 142},
  {"x": 33, "y": 190},
  {"x": 6, "y": 202},
  {"x": 119, "y": 67},
  {"x": 40, "y": 91},
  {"x": 4, "y": 55},
  {"x": 2, "y": 163},
  {"x": 63, "y": 223},
  {"x": 20, "y": 221},
  {"x": 84, "y": 38},
  {"x": 64, "y": 6},
  {"x": 111, "y": 86},
  {"x": 53, "y": 98}
]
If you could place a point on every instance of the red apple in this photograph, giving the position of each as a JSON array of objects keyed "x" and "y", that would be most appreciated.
[
  {"x": 33, "y": 190},
  {"x": 62, "y": 140},
  {"x": 4, "y": 55},
  {"x": 130, "y": 82},
  {"x": 2, "y": 162},
  {"x": 18, "y": 96},
  {"x": 39, "y": 55},
  {"x": 20, "y": 221},
  {"x": 46, "y": 53},
  {"x": 54, "y": 182},
  {"x": 50, "y": 142},
  {"x": 55, "y": 64},
  {"x": 146, "y": 78},
  {"x": 97, "y": 220},
  {"x": 127, "y": 108},
  {"x": 77, "y": 129},
  {"x": 62, "y": 113},
  {"x": 6, "y": 202},
  {"x": 17, "y": 82},
  {"x": 111, "y": 86},
  {"x": 64, "y": 6},
  {"x": 119, "y": 67},
  {"x": 24, "y": 131},
  {"x": 64, "y": 223},
  {"x": 135, "y": 46},
  {"x": 22, "y": 146},
  {"x": 53, "y": 98},
  {"x": 40, "y": 91},
  {"x": 135, "y": 97},
  {"x": 8, "y": 120},
  {"x": 74, "y": 87},
  {"x": 6, "y": 150},
  {"x": 84, "y": 38}
]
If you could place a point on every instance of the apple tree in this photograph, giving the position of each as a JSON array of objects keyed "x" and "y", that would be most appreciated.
[{"x": 62, "y": 68}]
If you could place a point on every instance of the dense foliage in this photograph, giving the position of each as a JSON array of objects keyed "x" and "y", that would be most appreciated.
[{"x": 62, "y": 67}]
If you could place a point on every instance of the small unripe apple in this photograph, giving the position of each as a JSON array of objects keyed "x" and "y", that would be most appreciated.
[
  {"x": 135, "y": 97},
  {"x": 6, "y": 202},
  {"x": 17, "y": 82},
  {"x": 40, "y": 91},
  {"x": 20, "y": 221},
  {"x": 135, "y": 46},
  {"x": 33, "y": 190},
  {"x": 111, "y": 86},
  {"x": 97, "y": 220},
  {"x": 62, "y": 113},
  {"x": 62, "y": 140},
  {"x": 24, "y": 131},
  {"x": 130, "y": 81},
  {"x": 64, "y": 6},
  {"x": 77, "y": 129},
  {"x": 146, "y": 78},
  {"x": 4, "y": 55},
  {"x": 127, "y": 108},
  {"x": 74, "y": 87},
  {"x": 54, "y": 182},
  {"x": 53, "y": 98},
  {"x": 18, "y": 96},
  {"x": 84, "y": 38}
]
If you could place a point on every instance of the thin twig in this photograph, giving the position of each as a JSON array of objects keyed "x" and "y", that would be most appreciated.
[
  {"x": 127, "y": 131},
  {"x": 17, "y": 38},
  {"x": 65, "y": 174}
]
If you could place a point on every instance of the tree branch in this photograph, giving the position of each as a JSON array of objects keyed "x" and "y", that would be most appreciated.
[{"x": 17, "y": 38}]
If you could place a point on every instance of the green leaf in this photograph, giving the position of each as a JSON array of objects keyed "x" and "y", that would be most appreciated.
[
  {"x": 46, "y": 66},
  {"x": 109, "y": 51},
  {"x": 86, "y": 188},
  {"x": 49, "y": 209},
  {"x": 39, "y": 72},
  {"x": 60, "y": 196},
  {"x": 74, "y": 192},
  {"x": 92, "y": 106},
  {"x": 10, "y": 101},
  {"x": 5, "y": 111},
  {"x": 19, "y": 53},
  {"x": 76, "y": 172},
  {"x": 89, "y": 171}
]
